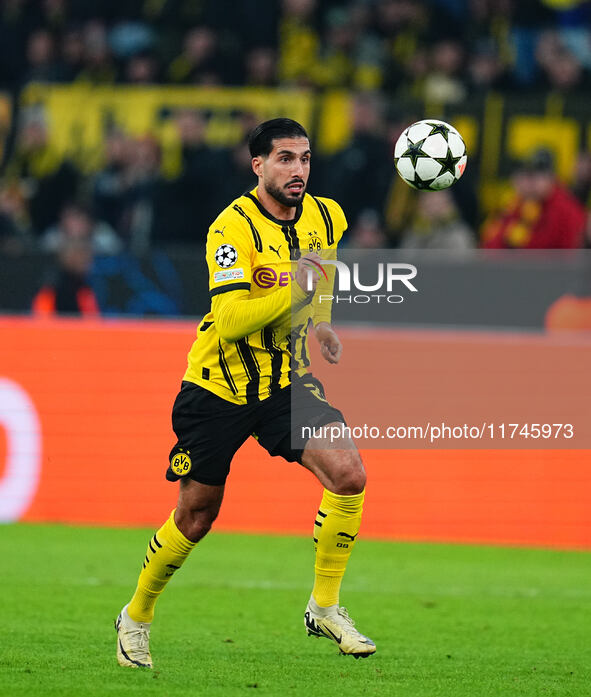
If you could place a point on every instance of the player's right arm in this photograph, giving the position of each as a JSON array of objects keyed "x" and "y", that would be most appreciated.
[{"x": 236, "y": 314}]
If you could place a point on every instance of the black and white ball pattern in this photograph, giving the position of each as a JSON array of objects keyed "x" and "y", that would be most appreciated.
[
  {"x": 225, "y": 256},
  {"x": 430, "y": 155}
]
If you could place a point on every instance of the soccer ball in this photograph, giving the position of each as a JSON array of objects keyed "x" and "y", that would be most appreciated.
[{"x": 430, "y": 155}]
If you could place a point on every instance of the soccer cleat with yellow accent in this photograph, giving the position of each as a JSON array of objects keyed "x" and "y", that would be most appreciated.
[
  {"x": 335, "y": 624},
  {"x": 133, "y": 642}
]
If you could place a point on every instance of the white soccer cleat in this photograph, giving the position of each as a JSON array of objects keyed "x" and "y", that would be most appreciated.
[
  {"x": 335, "y": 624},
  {"x": 133, "y": 642}
]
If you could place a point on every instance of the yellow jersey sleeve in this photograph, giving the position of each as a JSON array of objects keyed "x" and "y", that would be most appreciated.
[{"x": 229, "y": 254}]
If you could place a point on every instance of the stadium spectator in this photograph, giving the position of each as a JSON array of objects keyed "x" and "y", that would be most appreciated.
[
  {"x": 261, "y": 67},
  {"x": 543, "y": 215},
  {"x": 72, "y": 54},
  {"x": 564, "y": 73},
  {"x": 16, "y": 24},
  {"x": 41, "y": 63},
  {"x": 437, "y": 225},
  {"x": 439, "y": 50},
  {"x": 360, "y": 173},
  {"x": 444, "y": 84},
  {"x": 98, "y": 65},
  {"x": 368, "y": 233},
  {"x": 299, "y": 41},
  {"x": 362, "y": 44},
  {"x": 141, "y": 69},
  {"x": 336, "y": 59},
  {"x": 581, "y": 186},
  {"x": 486, "y": 71},
  {"x": 143, "y": 194},
  {"x": 109, "y": 184},
  {"x": 68, "y": 289},
  {"x": 189, "y": 201},
  {"x": 76, "y": 223},
  {"x": 239, "y": 177},
  {"x": 200, "y": 61},
  {"x": 48, "y": 180},
  {"x": 15, "y": 229},
  {"x": 237, "y": 164}
]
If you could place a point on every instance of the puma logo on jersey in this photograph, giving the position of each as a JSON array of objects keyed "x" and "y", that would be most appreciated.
[
  {"x": 219, "y": 232},
  {"x": 276, "y": 250}
]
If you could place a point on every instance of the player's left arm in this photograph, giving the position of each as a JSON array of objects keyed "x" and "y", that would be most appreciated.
[{"x": 330, "y": 344}]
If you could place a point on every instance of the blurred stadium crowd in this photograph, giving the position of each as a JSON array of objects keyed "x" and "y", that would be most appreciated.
[
  {"x": 384, "y": 51},
  {"x": 432, "y": 48}
]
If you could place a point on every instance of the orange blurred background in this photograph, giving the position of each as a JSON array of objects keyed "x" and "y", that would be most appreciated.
[{"x": 102, "y": 392}]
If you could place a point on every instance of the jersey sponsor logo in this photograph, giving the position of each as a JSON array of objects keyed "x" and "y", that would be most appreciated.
[
  {"x": 180, "y": 463},
  {"x": 267, "y": 277},
  {"x": 229, "y": 275},
  {"x": 225, "y": 256},
  {"x": 219, "y": 232}
]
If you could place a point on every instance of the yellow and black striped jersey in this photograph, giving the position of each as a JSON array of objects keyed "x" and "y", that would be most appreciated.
[{"x": 250, "y": 255}]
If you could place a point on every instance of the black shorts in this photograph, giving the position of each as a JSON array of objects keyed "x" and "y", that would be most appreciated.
[{"x": 210, "y": 430}]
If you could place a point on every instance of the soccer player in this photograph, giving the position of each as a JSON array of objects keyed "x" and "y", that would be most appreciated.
[{"x": 248, "y": 375}]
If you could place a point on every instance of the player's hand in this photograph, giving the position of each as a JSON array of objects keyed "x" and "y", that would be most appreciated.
[
  {"x": 308, "y": 266},
  {"x": 330, "y": 344}
]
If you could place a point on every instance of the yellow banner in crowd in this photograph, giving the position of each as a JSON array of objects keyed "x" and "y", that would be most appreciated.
[
  {"x": 80, "y": 116},
  {"x": 498, "y": 130}
]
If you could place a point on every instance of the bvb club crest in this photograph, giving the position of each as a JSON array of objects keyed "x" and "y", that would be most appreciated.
[
  {"x": 180, "y": 463},
  {"x": 314, "y": 243}
]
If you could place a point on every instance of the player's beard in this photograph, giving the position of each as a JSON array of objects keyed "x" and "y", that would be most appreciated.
[{"x": 281, "y": 197}]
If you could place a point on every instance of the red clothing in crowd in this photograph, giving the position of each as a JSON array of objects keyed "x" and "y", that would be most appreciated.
[
  {"x": 69, "y": 293},
  {"x": 556, "y": 223}
]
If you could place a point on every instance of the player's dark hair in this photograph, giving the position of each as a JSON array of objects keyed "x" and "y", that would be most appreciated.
[{"x": 260, "y": 141}]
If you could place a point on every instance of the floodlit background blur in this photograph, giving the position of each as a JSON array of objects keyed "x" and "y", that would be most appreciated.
[{"x": 123, "y": 127}]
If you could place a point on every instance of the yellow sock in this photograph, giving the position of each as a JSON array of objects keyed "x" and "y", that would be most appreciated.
[
  {"x": 335, "y": 529},
  {"x": 167, "y": 551}
]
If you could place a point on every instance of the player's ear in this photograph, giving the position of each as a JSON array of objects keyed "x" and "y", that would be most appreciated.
[{"x": 257, "y": 165}]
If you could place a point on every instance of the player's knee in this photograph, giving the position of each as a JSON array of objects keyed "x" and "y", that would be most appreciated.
[
  {"x": 195, "y": 524},
  {"x": 351, "y": 476},
  {"x": 352, "y": 482}
]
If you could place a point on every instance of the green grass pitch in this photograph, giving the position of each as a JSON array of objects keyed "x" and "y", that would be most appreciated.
[{"x": 448, "y": 620}]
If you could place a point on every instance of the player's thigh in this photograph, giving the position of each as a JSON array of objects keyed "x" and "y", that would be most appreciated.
[
  {"x": 293, "y": 425},
  {"x": 209, "y": 430},
  {"x": 287, "y": 418},
  {"x": 335, "y": 461}
]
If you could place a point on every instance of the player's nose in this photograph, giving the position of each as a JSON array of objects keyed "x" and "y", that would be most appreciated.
[{"x": 297, "y": 169}]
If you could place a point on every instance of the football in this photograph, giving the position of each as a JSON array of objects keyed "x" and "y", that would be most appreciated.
[{"x": 430, "y": 155}]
